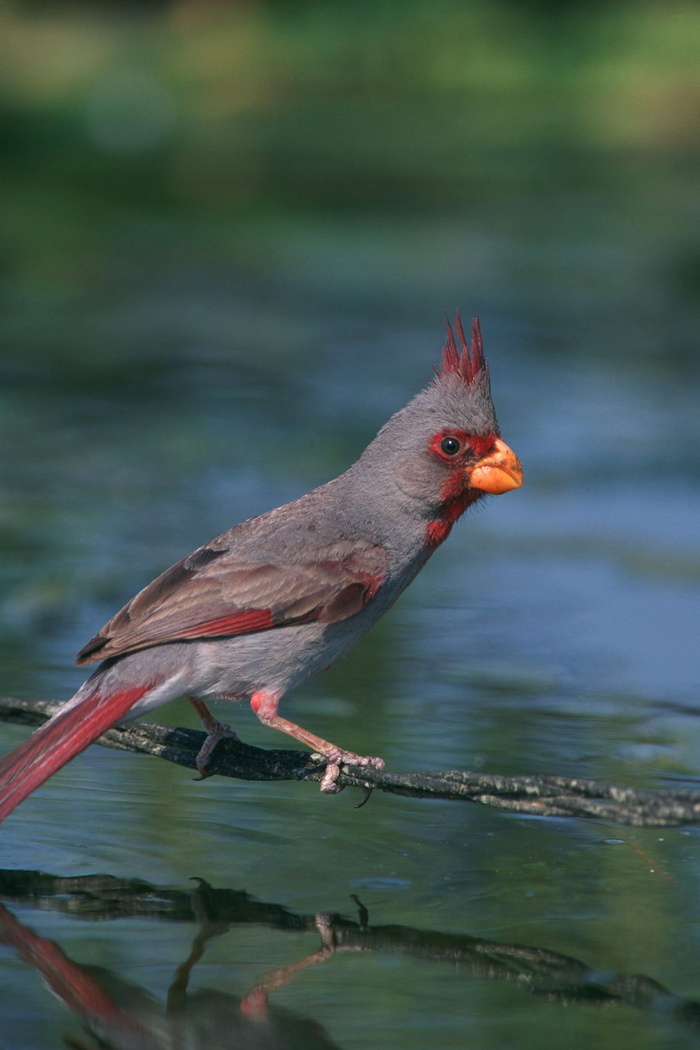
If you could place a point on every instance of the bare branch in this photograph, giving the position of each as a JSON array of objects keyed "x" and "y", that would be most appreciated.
[{"x": 538, "y": 795}]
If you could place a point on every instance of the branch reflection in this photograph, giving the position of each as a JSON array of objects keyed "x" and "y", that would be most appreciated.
[{"x": 119, "y": 1015}]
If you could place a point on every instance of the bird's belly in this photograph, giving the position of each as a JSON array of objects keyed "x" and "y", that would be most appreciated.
[
  {"x": 273, "y": 661},
  {"x": 282, "y": 658}
]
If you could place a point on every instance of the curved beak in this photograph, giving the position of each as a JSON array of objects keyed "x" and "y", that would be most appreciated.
[{"x": 498, "y": 472}]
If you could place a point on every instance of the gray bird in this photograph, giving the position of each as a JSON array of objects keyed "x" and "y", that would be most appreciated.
[{"x": 280, "y": 597}]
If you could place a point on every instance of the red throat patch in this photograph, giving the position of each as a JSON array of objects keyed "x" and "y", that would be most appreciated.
[
  {"x": 440, "y": 528},
  {"x": 455, "y": 494}
]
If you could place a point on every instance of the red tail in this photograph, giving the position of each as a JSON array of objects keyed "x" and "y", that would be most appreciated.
[{"x": 61, "y": 738}]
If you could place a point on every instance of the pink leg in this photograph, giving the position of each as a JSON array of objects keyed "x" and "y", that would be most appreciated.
[
  {"x": 265, "y": 707},
  {"x": 216, "y": 731}
]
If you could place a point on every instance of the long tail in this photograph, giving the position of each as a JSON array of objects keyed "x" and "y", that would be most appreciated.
[{"x": 65, "y": 735}]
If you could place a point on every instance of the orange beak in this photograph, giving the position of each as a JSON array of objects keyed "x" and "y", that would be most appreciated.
[{"x": 498, "y": 472}]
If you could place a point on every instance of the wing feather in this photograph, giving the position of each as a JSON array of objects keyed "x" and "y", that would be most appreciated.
[{"x": 213, "y": 594}]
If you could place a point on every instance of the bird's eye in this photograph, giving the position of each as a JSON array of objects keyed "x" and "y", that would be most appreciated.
[{"x": 450, "y": 446}]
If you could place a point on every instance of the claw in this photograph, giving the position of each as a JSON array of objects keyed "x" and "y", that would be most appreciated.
[{"x": 336, "y": 758}]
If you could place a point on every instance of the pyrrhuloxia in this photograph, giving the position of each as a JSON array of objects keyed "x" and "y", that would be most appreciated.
[{"x": 281, "y": 596}]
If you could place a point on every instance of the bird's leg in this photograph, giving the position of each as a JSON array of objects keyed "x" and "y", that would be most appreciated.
[
  {"x": 215, "y": 730},
  {"x": 265, "y": 707}
]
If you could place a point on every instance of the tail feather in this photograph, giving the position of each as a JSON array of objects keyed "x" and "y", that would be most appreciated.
[{"x": 65, "y": 735}]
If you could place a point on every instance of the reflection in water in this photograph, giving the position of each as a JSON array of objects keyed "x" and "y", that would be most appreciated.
[{"x": 119, "y": 1014}]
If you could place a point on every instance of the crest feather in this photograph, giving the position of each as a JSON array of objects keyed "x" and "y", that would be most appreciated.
[{"x": 464, "y": 360}]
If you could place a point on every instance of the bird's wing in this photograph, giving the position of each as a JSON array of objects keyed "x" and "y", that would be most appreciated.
[{"x": 211, "y": 594}]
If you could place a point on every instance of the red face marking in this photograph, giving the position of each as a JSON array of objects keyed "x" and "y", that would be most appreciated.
[
  {"x": 468, "y": 445},
  {"x": 456, "y": 449}
]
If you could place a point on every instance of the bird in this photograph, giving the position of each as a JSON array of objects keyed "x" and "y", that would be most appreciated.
[{"x": 280, "y": 597}]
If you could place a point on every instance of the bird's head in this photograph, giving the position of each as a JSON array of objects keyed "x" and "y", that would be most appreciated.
[{"x": 444, "y": 449}]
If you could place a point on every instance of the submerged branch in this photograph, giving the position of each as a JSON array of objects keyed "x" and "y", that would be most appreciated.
[{"x": 551, "y": 796}]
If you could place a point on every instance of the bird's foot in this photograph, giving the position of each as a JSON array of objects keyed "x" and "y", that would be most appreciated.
[
  {"x": 265, "y": 706},
  {"x": 216, "y": 731},
  {"x": 334, "y": 759}
]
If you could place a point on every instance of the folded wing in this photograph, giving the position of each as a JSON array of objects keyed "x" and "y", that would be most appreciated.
[{"x": 212, "y": 594}]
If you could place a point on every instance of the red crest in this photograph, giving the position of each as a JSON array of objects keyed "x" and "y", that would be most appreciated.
[{"x": 465, "y": 360}]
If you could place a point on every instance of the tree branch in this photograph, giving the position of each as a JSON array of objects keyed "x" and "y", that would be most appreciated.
[{"x": 551, "y": 796}]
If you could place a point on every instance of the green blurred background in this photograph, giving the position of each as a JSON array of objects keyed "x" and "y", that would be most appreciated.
[{"x": 351, "y": 146}]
